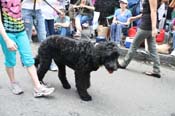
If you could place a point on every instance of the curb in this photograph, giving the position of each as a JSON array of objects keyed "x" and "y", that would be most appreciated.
[{"x": 141, "y": 55}]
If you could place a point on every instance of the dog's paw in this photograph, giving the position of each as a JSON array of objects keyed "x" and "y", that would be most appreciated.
[
  {"x": 86, "y": 98},
  {"x": 84, "y": 95},
  {"x": 66, "y": 86}
]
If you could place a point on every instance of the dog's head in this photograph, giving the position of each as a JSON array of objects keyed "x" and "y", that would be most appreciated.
[{"x": 108, "y": 53}]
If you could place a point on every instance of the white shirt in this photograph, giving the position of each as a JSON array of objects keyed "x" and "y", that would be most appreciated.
[
  {"x": 47, "y": 11},
  {"x": 28, "y": 4},
  {"x": 161, "y": 11}
]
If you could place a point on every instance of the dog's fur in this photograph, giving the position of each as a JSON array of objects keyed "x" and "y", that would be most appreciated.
[{"x": 80, "y": 55}]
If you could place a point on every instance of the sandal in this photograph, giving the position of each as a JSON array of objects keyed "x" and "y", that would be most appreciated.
[{"x": 152, "y": 74}]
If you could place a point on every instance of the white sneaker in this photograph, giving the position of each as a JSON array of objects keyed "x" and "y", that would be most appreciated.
[
  {"x": 16, "y": 89},
  {"x": 43, "y": 91},
  {"x": 173, "y": 53}
]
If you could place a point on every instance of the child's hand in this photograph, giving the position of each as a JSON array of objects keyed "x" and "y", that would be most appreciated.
[{"x": 11, "y": 45}]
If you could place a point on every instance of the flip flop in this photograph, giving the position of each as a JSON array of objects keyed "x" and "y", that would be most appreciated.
[{"x": 152, "y": 74}]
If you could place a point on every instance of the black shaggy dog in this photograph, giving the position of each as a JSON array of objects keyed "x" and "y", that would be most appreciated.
[{"x": 80, "y": 55}]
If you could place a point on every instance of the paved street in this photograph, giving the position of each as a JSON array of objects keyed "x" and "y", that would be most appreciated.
[{"x": 123, "y": 93}]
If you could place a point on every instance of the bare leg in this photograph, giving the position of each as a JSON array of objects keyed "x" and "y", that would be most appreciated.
[
  {"x": 78, "y": 25},
  {"x": 15, "y": 87},
  {"x": 33, "y": 74},
  {"x": 10, "y": 73}
]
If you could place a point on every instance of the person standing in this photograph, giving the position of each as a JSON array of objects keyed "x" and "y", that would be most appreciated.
[
  {"x": 13, "y": 37},
  {"x": 146, "y": 30},
  {"x": 32, "y": 15}
]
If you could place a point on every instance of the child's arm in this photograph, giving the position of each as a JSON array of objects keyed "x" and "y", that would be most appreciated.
[{"x": 10, "y": 44}]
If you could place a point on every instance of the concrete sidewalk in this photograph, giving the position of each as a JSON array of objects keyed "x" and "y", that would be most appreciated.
[{"x": 141, "y": 55}]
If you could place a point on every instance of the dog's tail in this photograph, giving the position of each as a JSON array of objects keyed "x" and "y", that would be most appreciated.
[{"x": 37, "y": 61}]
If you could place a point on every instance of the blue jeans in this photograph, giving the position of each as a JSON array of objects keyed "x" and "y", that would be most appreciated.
[
  {"x": 35, "y": 18},
  {"x": 84, "y": 19},
  {"x": 63, "y": 31},
  {"x": 49, "y": 26},
  {"x": 24, "y": 49},
  {"x": 116, "y": 30}
]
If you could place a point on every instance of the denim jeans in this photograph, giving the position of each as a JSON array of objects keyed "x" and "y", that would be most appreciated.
[
  {"x": 116, "y": 32},
  {"x": 139, "y": 38},
  {"x": 84, "y": 19},
  {"x": 63, "y": 31},
  {"x": 35, "y": 18},
  {"x": 49, "y": 27}
]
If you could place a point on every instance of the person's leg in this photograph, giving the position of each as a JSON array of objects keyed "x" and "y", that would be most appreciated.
[
  {"x": 68, "y": 32},
  {"x": 113, "y": 31},
  {"x": 63, "y": 31},
  {"x": 153, "y": 53},
  {"x": 28, "y": 61},
  {"x": 174, "y": 40},
  {"x": 10, "y": 58},
  {"x": 10, "y": 62},
  {"x": 26, "y": 56},
  {"x": 139, "y": 38},
  {"x": 51, "y": 26},
  {"x": 78, "y": 25},
  {"x": 118, "y": 33},
  {"x": 173, "y": 52},
  {"x": 85, "y": 19},
  {"x": 47, "y": 27},
  {"x": 40, "y": 26},
  {"x": 53, "y": 67},
  {"x": 28, "y": 21}
]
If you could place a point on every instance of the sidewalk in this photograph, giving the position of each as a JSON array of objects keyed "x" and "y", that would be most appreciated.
[{"x": 166, "y": 60}]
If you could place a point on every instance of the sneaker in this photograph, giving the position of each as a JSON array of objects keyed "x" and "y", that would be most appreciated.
[
  {"x": 16, "y": 89},
  {"x": 43, "y": 91},
  {"x": 119, "y": 45},
  {"x": 157, "y": 75},
  {"x": 122, "y": 65},
  {"x": 173, "y": 53}
]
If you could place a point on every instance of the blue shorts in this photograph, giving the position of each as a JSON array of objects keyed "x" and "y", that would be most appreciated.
[{"x": 22, "y": 41}]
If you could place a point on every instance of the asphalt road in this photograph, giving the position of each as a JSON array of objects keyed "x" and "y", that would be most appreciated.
[{"x": 124, "y": 93}]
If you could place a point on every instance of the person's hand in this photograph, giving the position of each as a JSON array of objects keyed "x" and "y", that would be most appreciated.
[
  {"x": 11, "y": 45},
  {"x": 116, "y": 22},
  {"x": 75, "y": 6},
  {"x": 82, "y": 5},
  {"x": 62, "y": 13},
  {"x": 154, "y": 32}
]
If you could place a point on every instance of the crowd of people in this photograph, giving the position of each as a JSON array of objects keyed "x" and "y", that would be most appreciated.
[{"x": 50, "y": 17}]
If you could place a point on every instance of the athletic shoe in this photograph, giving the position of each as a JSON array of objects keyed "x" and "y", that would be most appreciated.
[
  {"x": 16, "y": 89},
  {"x": 43, "y": 91}
]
